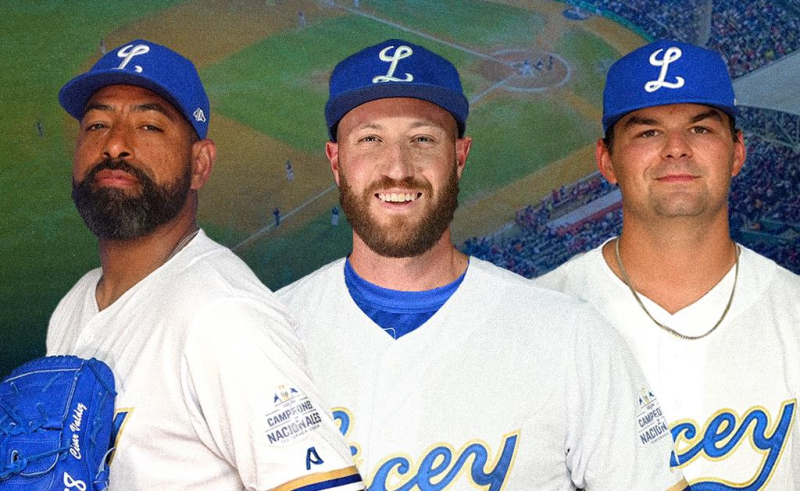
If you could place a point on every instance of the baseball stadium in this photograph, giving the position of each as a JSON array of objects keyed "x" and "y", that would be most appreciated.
[{"x": 533, "y": 72}]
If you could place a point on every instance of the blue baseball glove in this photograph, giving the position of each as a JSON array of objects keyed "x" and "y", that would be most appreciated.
[{"x": 56, "y": 416}]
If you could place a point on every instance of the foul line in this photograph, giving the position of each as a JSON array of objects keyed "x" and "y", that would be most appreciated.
[
  {"x": 494, "y": 87},
  {"x": 424, "y": 35},
  {"x": 263, "y": 231},
  {"x": 459, "y": 47}
]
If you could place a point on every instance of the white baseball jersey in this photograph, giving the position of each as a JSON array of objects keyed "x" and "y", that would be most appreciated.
[
  {"x": 212, "y": 393},
  {"x": 731, "y": 397},
  {"x": 508, "y": 386}
]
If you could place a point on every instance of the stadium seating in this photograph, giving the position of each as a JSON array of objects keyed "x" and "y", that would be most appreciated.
[{"x": 749, "y": 34}]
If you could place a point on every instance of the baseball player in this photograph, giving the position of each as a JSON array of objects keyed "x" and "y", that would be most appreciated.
[
  {"x": 212, "y": 392},
  {"x": 445, "y": 371},
  {"x": 334, "y": 216},
  {"x": 715, "y": 326},
  {"x": 289, "y": 171}
]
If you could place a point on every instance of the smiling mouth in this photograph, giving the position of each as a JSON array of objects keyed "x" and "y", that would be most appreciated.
[{"x": 398, "y": 197}]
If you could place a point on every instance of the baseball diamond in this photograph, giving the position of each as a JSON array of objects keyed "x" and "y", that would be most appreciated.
[{"x": 535, "y": 118}]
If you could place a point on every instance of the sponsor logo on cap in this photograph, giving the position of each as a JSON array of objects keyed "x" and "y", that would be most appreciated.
[{"x": 199, "y": 115}]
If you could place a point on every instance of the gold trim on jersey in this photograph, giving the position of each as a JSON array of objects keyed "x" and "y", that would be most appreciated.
[
  {"x": 681, "y": 486},
  {"x": 316, "y": 478}
]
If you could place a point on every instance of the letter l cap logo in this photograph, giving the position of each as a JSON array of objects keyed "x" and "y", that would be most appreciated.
[{"x": 128, "y": 52}]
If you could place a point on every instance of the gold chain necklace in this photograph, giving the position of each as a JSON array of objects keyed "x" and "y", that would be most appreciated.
[{"x": 662, "y": 326}]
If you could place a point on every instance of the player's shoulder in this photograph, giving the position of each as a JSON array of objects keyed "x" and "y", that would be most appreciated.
[
  {"x": 572, "y": 274},
  {"x": 495, "y": 274},
  {"x": 206, "y": 268},
  {"x": 532, "y": 312},
  {"x": 77, "y": 295},
  {"x": 80, "y": 298},
  {"x": 543, "y": 304},
  {"x": 208, "y": 279},
  {"x": 86, "y": 283},
  {"x": 219, "y": 304},
  {"x": 763, "y": 276},
  {"x": 316, "y": 283},
  {"x": 763, "y": 263}
]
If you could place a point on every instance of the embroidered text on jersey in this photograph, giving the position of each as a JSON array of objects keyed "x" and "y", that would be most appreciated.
[
  {"x": 722, "y": 436},
  {"x": 651, "y": 421},
  {"x": 293, "y": 416},
  {"x": 441, "y": 465}
]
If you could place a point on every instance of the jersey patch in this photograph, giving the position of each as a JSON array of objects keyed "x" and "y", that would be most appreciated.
[
  {"x": 293, "y": 416},
  {"x": 652, "y": 425}
]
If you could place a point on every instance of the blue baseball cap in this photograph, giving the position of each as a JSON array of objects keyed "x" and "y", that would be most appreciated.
[
  {"x": 395, "y": 68},
  {"x": 666, "y": 72},
  {"x": 147, "y": 65}
]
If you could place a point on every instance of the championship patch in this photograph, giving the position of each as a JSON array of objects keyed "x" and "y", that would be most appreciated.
[
  {"x": 651, "y": 421},
  {"x": 293, "y": 416}
]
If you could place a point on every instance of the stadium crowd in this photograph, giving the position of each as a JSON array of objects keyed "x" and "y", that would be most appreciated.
[
  {"x": 748, "y": 34},
  {"x": 780, "y": 126},
  {"x": 533, "y": 246},
  {"x": 752, "y": 34},
  {"x": 765, "y": 202}
]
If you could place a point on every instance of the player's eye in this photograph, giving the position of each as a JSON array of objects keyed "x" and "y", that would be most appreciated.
[
  {"x": 369, "y": 139},
  {"x": 423, "y": 139},
  {"x": 93, "y": 126},
  {"x": 700, "y": 130},
  {"x": 648, "y": 133},
  {"x": 151, "y": 127}
]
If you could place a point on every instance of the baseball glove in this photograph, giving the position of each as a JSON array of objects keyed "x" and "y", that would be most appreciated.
[{"x": 56, "y": 416}]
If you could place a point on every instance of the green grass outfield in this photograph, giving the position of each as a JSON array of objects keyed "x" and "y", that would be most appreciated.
[
  {"x": 514, "y": 134},
  {"x": 278, "y": 87}
]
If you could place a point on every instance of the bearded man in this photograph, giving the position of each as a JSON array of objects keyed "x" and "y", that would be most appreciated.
[
  {"x": 212, "y": 391},
  {"x": 446, "y": 371}
]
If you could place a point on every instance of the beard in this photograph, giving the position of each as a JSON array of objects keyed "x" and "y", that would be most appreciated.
[
  {"x": 115, "y": 214},
  {"x": 401, "y": 236}
]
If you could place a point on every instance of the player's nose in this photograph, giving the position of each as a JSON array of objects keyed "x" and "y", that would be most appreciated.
[
  {"x": 118, "y": 144},
  {"x": 397, "y": 162},
  {"x": 676, "y": 145}
]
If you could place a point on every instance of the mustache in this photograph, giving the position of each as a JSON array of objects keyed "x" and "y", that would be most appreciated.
[
  {"x": 117, "y": 164},
  {"x": 405, "y": 183}
]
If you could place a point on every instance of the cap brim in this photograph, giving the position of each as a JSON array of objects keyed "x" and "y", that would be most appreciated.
[
  {"x": 610, "y": 120},
  {"x": 76, "y": 93},
  {"x": 455, "y": 104}
]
